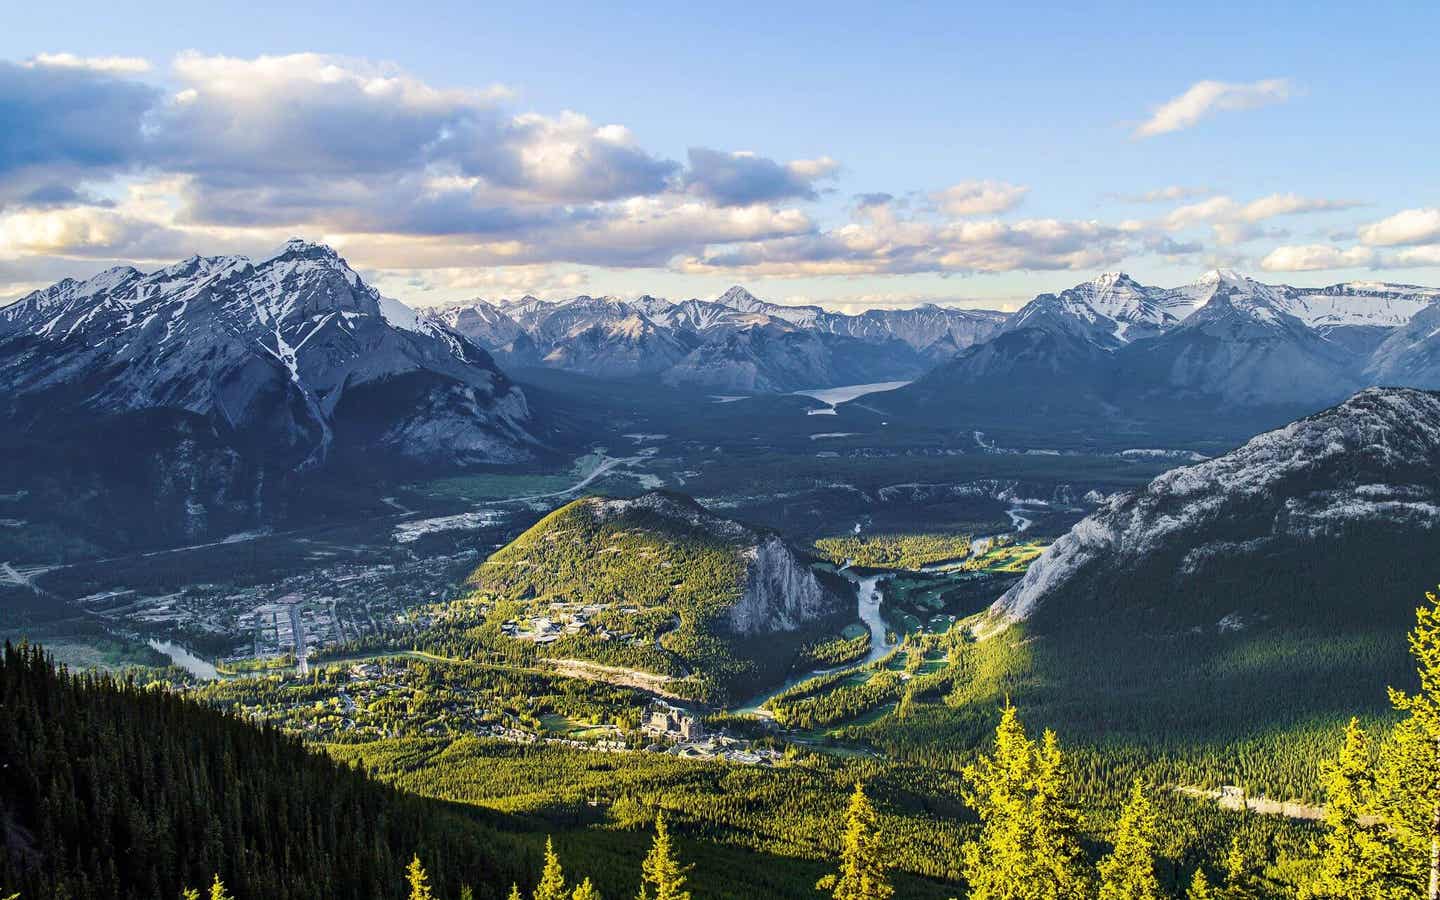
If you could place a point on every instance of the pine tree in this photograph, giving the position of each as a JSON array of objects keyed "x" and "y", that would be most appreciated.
[
  {"x": 585, "y": 891},
  {"x": 514, "y": 892},
  {"x": 418, "y": 880},
  {"x": 1358, "y": 853},
  {"x": 1057, "y": 823},
  {"x": 552, "y": 879},
  {"x": 217, "y": 890},
  {"x": 185, "y": 894},
  {"x": 467, "y": 892},
  {"x": 1242, "y": 880},
  {"x": 862, "y": 865},
  {"x": 1424, "y": 710},
  {"x": 1200, "y": 888},
  {"x": 1128, "y": 873},
  {"x": 661, "y": 870},
  {"x": 1407, "y": 790},
  {"x": 1028, "y": 845}
]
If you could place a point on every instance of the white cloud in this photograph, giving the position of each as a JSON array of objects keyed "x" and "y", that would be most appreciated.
[
  {"x": 1312, "y": 257},
  {"x": 901, "y": 246},
  {"x": 1411, "y": 226},
  {"x": 979, "y": 198},
  {"x": 1234, "y": 222},
  {"x": 1417, "y": 257},
  {"x": 121, "y": 65},
  {"x": 1205, "y": 98}
]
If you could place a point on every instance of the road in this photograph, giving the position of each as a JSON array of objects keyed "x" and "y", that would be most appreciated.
[
  {"x": 297, "y": 635},
  {"x": 610, "y": 464}
]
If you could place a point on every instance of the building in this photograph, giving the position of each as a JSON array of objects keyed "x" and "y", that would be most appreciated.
[{"x": 671, "y": 722}]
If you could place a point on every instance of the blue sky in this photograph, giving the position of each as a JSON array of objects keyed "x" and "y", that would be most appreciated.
[{"x": 1011, "y": 142}]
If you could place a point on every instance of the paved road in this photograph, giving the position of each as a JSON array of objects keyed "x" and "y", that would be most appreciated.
[{"x": 297, "y": 635}]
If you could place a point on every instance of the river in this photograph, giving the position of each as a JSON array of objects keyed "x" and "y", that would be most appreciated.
[
  {"x": 834, "y": 396},
  {"x": 186, "y": 660},
  {"x": 868, "y": 599}
]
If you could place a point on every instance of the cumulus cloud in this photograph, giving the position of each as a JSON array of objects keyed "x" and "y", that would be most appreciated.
[
  {"x": 1312, "y": 257},
  {"x": 1411, "y": 226},
  {"x": 979, "y": 198},
  {"x": 66, "y": 124},
  {"x": 442, "y": 189},
  {"x": 742, "y": 178},
  {"x": 1205, "y": 98},
  {"x": 1417, "y": 257},
  {"x": 299, "y": 119},
  {"x": 1234, "y": 222},
  {"x": 904, "y": 246}
]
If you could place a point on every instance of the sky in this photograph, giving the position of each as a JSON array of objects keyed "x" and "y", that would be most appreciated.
[{"x": 852, "y": 155}]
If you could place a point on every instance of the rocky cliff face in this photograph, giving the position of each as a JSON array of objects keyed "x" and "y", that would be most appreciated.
[{"x": 781, "y": 592}]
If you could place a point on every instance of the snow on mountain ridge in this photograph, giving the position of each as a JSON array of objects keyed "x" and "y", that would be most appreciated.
[
  {"x": 210, "y": 336},
  {"x": 1372, "y": 456}
]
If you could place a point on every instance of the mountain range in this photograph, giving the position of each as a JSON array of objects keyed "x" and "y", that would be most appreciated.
[
  {"x": 736, "y": 342},
  {"x": 197, "y": 389},
  {"x": 1143, "y": 358}
]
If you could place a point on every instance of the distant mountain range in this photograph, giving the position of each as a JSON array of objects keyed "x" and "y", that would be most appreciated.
[
  {"x": 735, "y": 343},
  {"x": 199, "y": 388},
  {"x": 1115, "y": 351},
  {"x": 196, "y": 389}
]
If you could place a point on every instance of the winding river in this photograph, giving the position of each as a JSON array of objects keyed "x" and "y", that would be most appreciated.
[{"x": 868, "y": 598}]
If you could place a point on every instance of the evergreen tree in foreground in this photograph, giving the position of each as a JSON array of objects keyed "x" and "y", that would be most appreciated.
[
  {"x": 862, "y": 864},
  {"x": 662, "y": 876},
  {"x": 1028, "y": 847},
  {"x": 552, "y": 879},
  {"x": 217, "y": 890},
  {"x": 1358, "y": 854},
  {"x": 418, "y": 880},
  {"x": 1128, "y": 873},
  {"x": 1424, "y": 729}
]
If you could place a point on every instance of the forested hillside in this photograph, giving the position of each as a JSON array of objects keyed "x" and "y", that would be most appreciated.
[
  {"x": 115, "y": 791},
  {"x": 656, "y": 584}
]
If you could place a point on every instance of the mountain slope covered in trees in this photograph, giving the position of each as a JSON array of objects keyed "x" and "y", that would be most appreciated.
[{"x": 112, "y": 790}]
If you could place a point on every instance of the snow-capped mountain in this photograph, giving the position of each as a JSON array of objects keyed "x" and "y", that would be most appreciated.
[
  {"x": 718, "y": 343},
  {"x": 1221, "y": 346},
  {"x": 1137, "y": 310},
  {"x": 484, "y": 323},
  {"x": 737, "y": 298},
  {"x": 1243, "y": 347},
  {"x": 1109, "y": 311},
  {"x": 633, "y": 345},
  {"x": 775, "y": 357},
  {"x": 1261, "y": 531},
  {"x": 1410, "y": 355},
  {"x": 938, "y": 332},
  {"x": 294, "y": 352}
]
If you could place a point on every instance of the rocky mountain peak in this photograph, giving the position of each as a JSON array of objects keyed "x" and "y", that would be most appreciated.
[{"x": 1367, "y": 462}]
